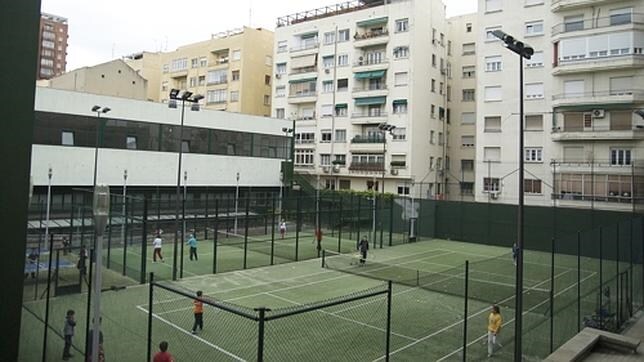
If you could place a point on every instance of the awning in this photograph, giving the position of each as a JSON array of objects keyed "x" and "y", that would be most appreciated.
[
  {"x": 304, "y": 62},
  {"x": 305, "y": 80},
  {"x": 341, "y": 105},
  {"x": 370, "y": 101},
  {"x": 308, "y": 34},
  {"x": 370, "y": 75},
  {"x": 370, "y": 22},
  {"x": 400, "y": 101}
]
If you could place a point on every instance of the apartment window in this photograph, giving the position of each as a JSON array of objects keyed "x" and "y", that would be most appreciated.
[
  {"x": 305, "y": 138},
  {"x": 327, "y": 86},
  {"x": 47, "y": 62},
  {"x": 433, "y": 36},
  {"x": 193, "y": 82},
  {"x": 536, "y": 61},
  {"x": 329, "y": 37},
  {"x": 236, "y": 75},
  {"x": 399, "y": 134},
  {"x": 236, "y": 55},
  {"x": 433, "y": 88},
  {"x": 280, "y": 113},
  {"x": 401, "y": 52},
  {"x": 431, "y": 163},
  {"x": 432, "y": 112},
  {"x": 194, "y": 62},
  {"x": 343, "y": 85},
  {"x": 340, "y": 159},
  {"x": 218, "y": 76},
  {"x": 166, "y": 68},
  {"x": 164, "y": 86},
  {"x": 573, "y": 153},
  {"x": 468, "y": 27},
  {"x": 531, "y": 186},
  {"x": 468, "y": 95},
  {"x": 343, "y": 35},
  {"x": 492, "y": 154},
  {"x": 492, "y": 124},
  {"x": 267, "y": 79},
  {"x": 494, "y": 63},
  {"x": 534, "y": 122},
  {"x": 267, "y": 100},
  {"x": 534, "y": 28},
  {"x": 327, "y": 61},
  {"x": 400, "y": 106},
  {"x": 282, "y": 46},
  {"x": 493, "y": 5},
  {"x": 574, "y": 88},
  {"x": 621, "y": 16},
  {"x": 468, "y": 118},
  {"x": 216, "y": 96},
  {"x": 325, "y": 159},
  {"x": 467, "y": 188},
  {"x": 203, "y": 62},
  {"x": 401, "y": 79},
  {"x": 326, "y": 110},
  {"x": 469, "y": 48},
  {"x": 280, "y": 68},
  {"x": 620, "y": 157},
  {"x": 491, "y": 184},
  {"x": 67, "y": 138},
  {"x": 449, "y": 47},
  {"x": 185, "y": 146},
  {"x": 304, "y": 157},
  {"x": 493, "y": 93},
  {"x": 403, "y": 189},
  {"x": 467, "y": 141},
  {"x": 574, "y": 23},
  {"x": 621, "y": 85},
  {"x": 234, "y": 96},
  {"x": 130, "y": 142},
  {"x": 533, "y": 154},
  {"x": 341, "y": 135},
  {"x": 467, "y": 165},
  {"x": 202, "y": 80},
  {"x": 341, "y": 110},
  {"x": 434, "y": 60},
  {"x": 402, "y": 25},
  {"x": 432, "y": 137},
  {"x": 442, "y": 39},
  {"x": 326, "y": 135},
  {"x": 343, "y": 60},
  {"x": 469, "y": 71},
  {"x": 179, "y": 64},
  {"x": 489, "y": 33},
  {"x": 280, "y": 91},
  {"x": 534, "y": 91}
]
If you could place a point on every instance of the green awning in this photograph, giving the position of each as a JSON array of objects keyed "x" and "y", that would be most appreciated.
[
  {"x": 341, "y": 105},
  {"x": 370, "y": 75},
  {"x": 303, "y": 80},
  {"x": 367, "y": 101},
  {"x": 370, "y": 22},
  {"x": 400, "y": 101},
  {"x": 310, "y": 34}
]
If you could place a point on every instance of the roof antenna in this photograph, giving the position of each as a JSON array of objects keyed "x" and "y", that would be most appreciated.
[{"x": 250, "y": 13}]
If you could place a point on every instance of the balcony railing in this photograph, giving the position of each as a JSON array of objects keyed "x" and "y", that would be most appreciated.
[
  {"x": 218, "y": 81},
  {"x": 604, "y": 22},
  {"x": 594, "y": 94},
  {"x": 567, "y": 4},
  {"x": 303, "y": 94},
  {"x": 305, "y": 118},
  {"x": 303, "y": 47},
  {"x": 598, "y": 128},
  {"x": 370, "y": 35},
  {"x": 367, "y": 166},
  {"x": 367, "y": 139},
  {"x": 370, "y": 61},
  {"x": 303, "y": 70},
  {"x": 369, "y": 115},
  {"x": 614, "y": 197},
  {"x": 370, "y": 87},
  {"x": 599, "y": 56}
]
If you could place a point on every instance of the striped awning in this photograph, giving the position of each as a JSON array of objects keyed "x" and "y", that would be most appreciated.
[
  {"x": 370, "y": 75},
  {"x": 400, "y": 101},
  {"x": 370, "y": 22},
  {"x": 367, "y": 101}
]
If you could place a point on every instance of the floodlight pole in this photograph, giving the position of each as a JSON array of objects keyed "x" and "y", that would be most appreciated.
[
  {"x": 124, "y": 220},
  {"x": 523, "y": 51},
  {"x": 49, "y": 175},
  {"x": 236, "y": 202},
  {"x": 101, "y": 213}
]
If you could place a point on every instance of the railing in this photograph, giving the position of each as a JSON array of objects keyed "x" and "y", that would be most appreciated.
[
  {"x": 613, "y": 197},
  {"x": 305, "y": 118},
  {"x": 369, "y": 115},
  {"x": 370, "y": 87},
  {"x": 370, "y": 35},
  {"x": 370, "y": 61},
  {"x": 305, "y": 46},
  {"x": 367, "y": 166},
  {"x": 220, "y": 81},
  {"x": 327, "y": 11},
  {"x": 600, "y": 128},
  {"x": 601, "y": 56},
  {"x": 303, "y": 70},
  {"x": 586, "y": 24},
  {"x": 592, "y": 94},
  {"x": 303, "y": 94},
  {"x": 367, "y": 139}
]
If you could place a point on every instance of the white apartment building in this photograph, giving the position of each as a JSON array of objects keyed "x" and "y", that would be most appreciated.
[
  {"x": 583, "y": 89},
  {"x": 343, "y": 70}
]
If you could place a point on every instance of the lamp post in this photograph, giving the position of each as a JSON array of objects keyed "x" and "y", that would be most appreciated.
[
  {"x": 49, "y": 176},
  {"x": 385, "y": 128},
  {"x": 99, "y": 110},
  {"x": 123, "y": 207},
  {"x": 101, "y": 213},
  {"x": 523, "y": 51},
  {"x": 183, "y": 97},
  {"x": 183, "y": 219},
  {"x": 291, "y": 156},
  {"x": 236, "y": 201}
]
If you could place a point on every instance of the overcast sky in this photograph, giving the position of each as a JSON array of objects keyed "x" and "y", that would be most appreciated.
[{"x": 103, "y": 30}]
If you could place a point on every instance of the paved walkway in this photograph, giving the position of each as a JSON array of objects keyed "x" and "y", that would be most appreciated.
[{"x": 634, "y": 331}]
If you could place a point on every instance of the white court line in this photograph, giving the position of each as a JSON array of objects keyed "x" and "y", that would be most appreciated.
[
  {"x": 162, "y": 262},
  {"x": 231, "y": 281},
  {"x": 344, "y": 275},
  {"x": 476, "y": 272},
  {"x": 229, "y": 354},
  {"x": 459, "y": 322},
  {"x": 512, "y": 320},
  {"x": 344, "y": 318}
]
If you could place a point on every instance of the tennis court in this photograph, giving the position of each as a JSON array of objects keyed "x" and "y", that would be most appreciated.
[{"x": 427, "y": 307}]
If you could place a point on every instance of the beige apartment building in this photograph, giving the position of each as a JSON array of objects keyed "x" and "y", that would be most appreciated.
[
  {"x": 584, "y": 96},
  {"x": 233, "y": 70}
]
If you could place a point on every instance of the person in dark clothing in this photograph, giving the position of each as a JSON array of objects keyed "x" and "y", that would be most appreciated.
[
  {"x": 363, "y": 246},
  {"x": 68, "y": 332}
]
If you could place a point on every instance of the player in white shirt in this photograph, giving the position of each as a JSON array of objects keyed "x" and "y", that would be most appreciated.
[
  {"x": 157, "y": 248},
  {"x": 283, "y": 229}
]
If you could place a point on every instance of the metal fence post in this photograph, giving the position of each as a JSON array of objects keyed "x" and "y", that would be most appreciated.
[
  {"x": 323, "y": 258},
  {"x": 260, "y": 333},
  {"x": 51, "y": 257},
  {"x": 109, "y": 236},
  {"x": 340, "y": 225},
  {"x": 358, "y": 219},
  {"x": 144, "y": 238},
  {"x": 205, "y": 235},
  {"x": 246, "y": 231},
  {"x": 71, "y": 220},
  {"x": 150, "y": 305},
  {"x": 215, "y": 238},
  {"x": 388, "y": 333},
  {"x": 124, "y": 241},
  {"x": 601, "y": 280},
  {"x": 552, "y": 295},
  {"x": 465, "y": 311},
  {"x": 578, "y": 281},
  {"x": 272, "y": 229},
  {"x": 391, "y": 220},
  {"x": 630, "y": 262},
  {"x": 619, "y": 305},
  {"x": 298, "y": 221}
]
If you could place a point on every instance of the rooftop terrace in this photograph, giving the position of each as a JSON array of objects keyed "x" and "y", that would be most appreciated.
[{"x": 328, "y": 11}]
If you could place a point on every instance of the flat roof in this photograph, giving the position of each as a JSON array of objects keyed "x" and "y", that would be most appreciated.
[{"x": 328, "y": 11}]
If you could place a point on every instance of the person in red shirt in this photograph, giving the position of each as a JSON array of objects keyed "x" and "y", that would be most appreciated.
[
  {"x": 163, "y": 355},
  {"x": 198, "y": 311}
]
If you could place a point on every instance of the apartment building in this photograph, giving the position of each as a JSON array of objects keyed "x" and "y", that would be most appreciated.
[
  {"x": 582, "y": 95},
  {"x": 346, "y": 69},
  {"x": 461, "y": 91},
  {"x": 52, "y": 46},
  {"x": 233, "y": 70}
]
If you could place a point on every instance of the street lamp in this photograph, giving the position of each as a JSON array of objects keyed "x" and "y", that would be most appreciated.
[
  {"x": 385, "y": 128},
  {"x": 236, "y": 202},
  {"x": 523, "y": 51},
  {"x": 177, "y": 95},
  {"x": 101, "y": 213},
  {"x": 124, "y": 220},
  {"x": 51, "y": 256},
  {"x": 183, "y": 219},
  {"x": 99, "y": 110},
  {"x": 291, "y": 156}
]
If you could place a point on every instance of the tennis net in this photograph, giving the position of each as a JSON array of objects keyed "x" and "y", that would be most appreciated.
[
  {"x": 483, "y": 283},
  {"x": 278, "y": 248}
]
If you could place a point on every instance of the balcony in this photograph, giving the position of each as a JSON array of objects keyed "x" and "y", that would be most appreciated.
[
  {"x": 367, "y": 64},
  {"x": 599, "y": 97},
  {"x": 371, "y": 38},
  {"x": 304, "y": 73},
  {"x": 563, "y": 5},
  {"x": 598, "y": 133},
  {"x": 634, "y": 21},
  {"x": 303, "y": 97},
  {"x": 629, "y": 59},
  {"x": 370, "y": 90},
  {"x": 305, "y": 49},
  {"x": 367, "y": 167},
  {"x": 368, "y": 117},
  {"x": 304, "y": 118}
]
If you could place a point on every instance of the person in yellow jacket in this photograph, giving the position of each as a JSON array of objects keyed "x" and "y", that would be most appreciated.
[{"x": 494, "y": 323}]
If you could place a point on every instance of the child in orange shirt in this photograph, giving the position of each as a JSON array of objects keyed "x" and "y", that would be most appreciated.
[{"x": 198, "y": 311}]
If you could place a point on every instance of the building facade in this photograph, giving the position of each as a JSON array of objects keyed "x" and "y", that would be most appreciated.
[
  {"x": 52, "y": 46},
  {"x": 233, "y": 70},
  {"x": 344, "y": 70},
  {"x": 582, "y": 95}
]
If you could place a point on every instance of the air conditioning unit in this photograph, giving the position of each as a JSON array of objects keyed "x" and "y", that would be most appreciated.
[
  {"x": 394, "y": 172},
  {"x": 494, "y": 195},
  {"x": 336, "y": 168},
  {"x": 326, "y": 169},
  {"x": 327, "y": 70},
  {"x": 598, "y": 113}
]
